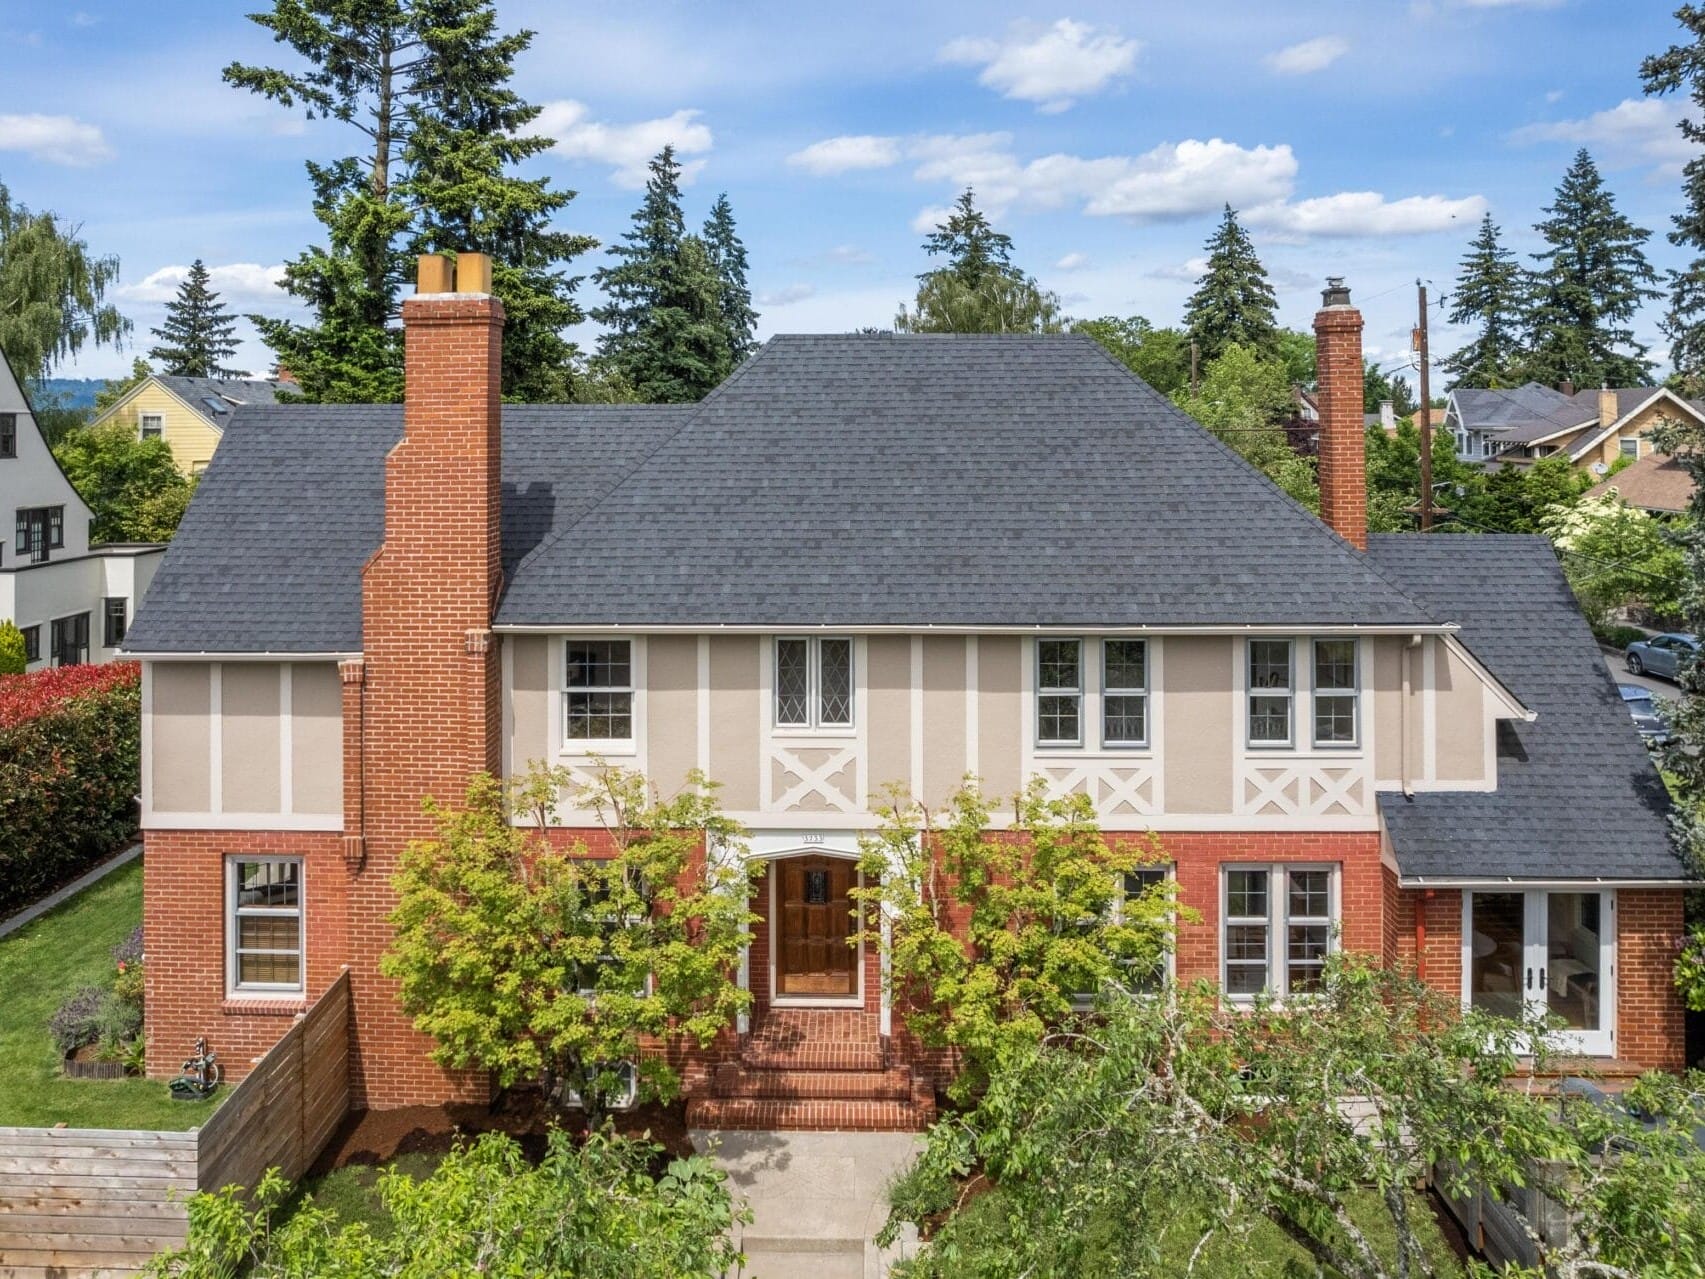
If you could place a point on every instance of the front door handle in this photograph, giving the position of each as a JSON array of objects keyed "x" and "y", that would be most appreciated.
[
  {"x": 1530, "y": 978},
  {"x": 1542, "y": 975}
]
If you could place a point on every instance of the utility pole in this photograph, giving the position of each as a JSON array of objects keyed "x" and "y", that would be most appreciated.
[
  {"x": 1195, "y": 382},
  {"x": 1424, "y": 417}
]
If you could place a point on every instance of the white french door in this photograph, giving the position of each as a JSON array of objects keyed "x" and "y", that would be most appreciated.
[{"x": 1544, "y": 951}]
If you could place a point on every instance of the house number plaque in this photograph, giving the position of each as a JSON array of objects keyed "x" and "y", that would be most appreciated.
[{"x": 816, "y": 888}]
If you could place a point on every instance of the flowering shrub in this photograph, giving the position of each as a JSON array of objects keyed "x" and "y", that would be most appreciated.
[
  {"x": 70, "y": 769},
  {"x": 1690, "y": 970},
  {"x": 77, "y": 1022}
]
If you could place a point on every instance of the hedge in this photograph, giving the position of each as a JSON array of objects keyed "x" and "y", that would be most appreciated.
[{"x": 70, "y": 770}]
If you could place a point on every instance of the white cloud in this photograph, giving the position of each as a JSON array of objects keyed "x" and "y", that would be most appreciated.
[
  {"x": 1309, "y": 56},
  {"x": 1634, "y": 131},
  {"x": 1189, "y": 271},
  {"x": 1366, "y": 213},
  {"x": 847, "y": 153},
  {"x": 850, "y": 254},
  {"x": 81, "y": 19},
  {"x": 1174, "y": 180},
  {"x": 1052, "y": 66},
  {"x": 626, "y": 148},
  {"x": 236, "y": 283},
  {"x": 930, "y": 217},
  {"x": 57, "y": 139},
  {"x": 1554, "y": 95},
  {"x": 787, "y": 295},
  {"x": 1072, "y": 262}
]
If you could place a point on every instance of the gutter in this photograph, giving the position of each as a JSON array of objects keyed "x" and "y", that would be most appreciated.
[
  {"x": 962, "y": 628},
  {"x": 265, "y": 655}
]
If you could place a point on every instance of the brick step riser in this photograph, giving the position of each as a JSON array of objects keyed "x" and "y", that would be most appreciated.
[
  {"x": 817, "y": 1115},
  {"x": 849, "y": 1085},
  {"x": 829, "y": 1056}
]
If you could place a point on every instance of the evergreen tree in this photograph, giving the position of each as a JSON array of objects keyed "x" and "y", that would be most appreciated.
[
  {"x": 728, "y": 260},
  {"x": 1589, "y": 283},
  {"x": 425, "y": 84},
  {"x": 665, "y": 333},
  {"x": 1233, "y": 303},
  {"x": 979, "y": 290},
  {"x": 973, "y": 248},
  {"x": 1490, "y": 293},
  {"x": 1683, "y": 66},
  {"x": 196, "y": 335}
]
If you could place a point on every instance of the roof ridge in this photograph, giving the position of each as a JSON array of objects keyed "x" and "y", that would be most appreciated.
[
  {"x": 687, "y": 419},
  {"x": 1356, "y": 556}
]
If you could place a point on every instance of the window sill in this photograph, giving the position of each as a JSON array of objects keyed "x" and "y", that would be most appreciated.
[
  {"x": 582, "y": 749},
  {"x": 788, "y": 733},
  {"x": 258, "y": 1004}
]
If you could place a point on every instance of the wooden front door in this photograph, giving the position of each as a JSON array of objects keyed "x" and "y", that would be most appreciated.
[{"x": 813, "y": 924}]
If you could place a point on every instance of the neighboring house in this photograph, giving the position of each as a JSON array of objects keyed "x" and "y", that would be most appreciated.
[
  {"x": 189, "y": 413},
  {"x": 1594, "y": 428},
  {"x": 72, "y": 601},
  {"x": 868, "y": 559},
  {"x": 1656, "y": 484}
]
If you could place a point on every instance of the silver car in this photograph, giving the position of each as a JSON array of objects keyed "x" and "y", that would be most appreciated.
[
  {"x": 1649, "y": 717},
  {"x": 1662, "y": 654}
]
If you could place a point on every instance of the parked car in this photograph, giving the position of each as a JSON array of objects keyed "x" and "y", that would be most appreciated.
[
  {"x": 1649, "y": 718},
  {"x": 1661, "y": 655}
]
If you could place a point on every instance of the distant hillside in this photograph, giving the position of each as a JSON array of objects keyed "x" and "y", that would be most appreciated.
[{"x": 73, "y": 392}]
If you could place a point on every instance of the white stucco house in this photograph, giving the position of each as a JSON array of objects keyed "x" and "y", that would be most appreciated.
[{"x": 73, "y": 601}]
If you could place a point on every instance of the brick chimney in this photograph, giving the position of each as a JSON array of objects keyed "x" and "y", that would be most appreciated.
[
  {"x": 1343, "y": 464},
  {"x": 428, "y": 708},
  {"x": 1607, "y": 409}
]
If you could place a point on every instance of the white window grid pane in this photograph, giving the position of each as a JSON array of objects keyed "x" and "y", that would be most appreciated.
[
  {"x": 1124, "y": 719},
  {"x": 598, "y": 697},
  {"x": 1308, "y": 927},
  {"x": 1270, "y": 691},
  {"x": 793, "y": 682},
  {"x": 265, "y": 929},
  {"x": 834, "y": 681},
  {"x": 1270, "y": 664},
  {"x": 1335, "y": 665},
  {"x": 1059, "y": 692},
  {"x": 1057, "y": 717},
  {"x": 1124, "y": 666},
  {"x": 1335, "y": 719},
  {"x": 1124, "y": 692},
  {"x": 1270, "y": 717},
  {"x": 1059, "y": 665}
]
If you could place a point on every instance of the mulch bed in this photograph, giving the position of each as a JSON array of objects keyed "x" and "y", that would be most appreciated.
[{"x": 378, "y": 1136}]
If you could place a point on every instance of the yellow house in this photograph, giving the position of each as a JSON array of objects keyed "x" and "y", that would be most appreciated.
[{"x": 189, "y": 413}]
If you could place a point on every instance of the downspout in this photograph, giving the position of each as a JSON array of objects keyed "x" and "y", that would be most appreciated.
[
  {"x": 1421, "y": 936},
  {"x": 1403, "y": 718}
]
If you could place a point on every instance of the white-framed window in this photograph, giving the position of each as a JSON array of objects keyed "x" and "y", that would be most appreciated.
[
  {"x": 1059, "y": 692},
  {"x": 1629, "y": 448},
  {"x": 1124, "y": 692},
  {"x": 1276, "y": 928},
  {"x": 1135, "y": 884},
  {"x": 1337, "y": 692},
  {"x": 263, "y": 924},
  {"x": 151, "y": 425},
  {"x": 597, "y": 699},
  {"x": 1487, "y": 446},
  {"x": 813, "y": 682},
  {"x": 1272, "y": 692}
]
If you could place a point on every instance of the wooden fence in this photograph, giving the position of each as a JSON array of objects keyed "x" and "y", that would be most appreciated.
[{"x": 98, "y": 1202}]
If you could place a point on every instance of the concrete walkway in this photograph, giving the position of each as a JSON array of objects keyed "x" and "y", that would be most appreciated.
[{"x": 817, "y": 1199}]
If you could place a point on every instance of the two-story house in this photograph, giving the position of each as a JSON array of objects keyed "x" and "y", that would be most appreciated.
[
  {"x": 71, "y": 600},
  {"x": 868, "y": 559},
  {"x": 1519, "y": 425},
  {"x": 189, "y": 413}
]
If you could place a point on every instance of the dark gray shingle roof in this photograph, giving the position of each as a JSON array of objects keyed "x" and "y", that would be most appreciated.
[
  {"x": 876, "y": 480},
  {"x": 269, "y": 555},
  {"x": 202, "y": 393},
  {"x": 1584, "y": 799}
]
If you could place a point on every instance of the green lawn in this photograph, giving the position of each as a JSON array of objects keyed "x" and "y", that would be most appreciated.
[
  {"x": 39, "y": 966},
  {"x": 352, "y": 1192}
]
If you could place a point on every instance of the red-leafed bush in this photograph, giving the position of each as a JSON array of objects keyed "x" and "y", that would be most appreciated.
[{"x": 70, "y": 769}]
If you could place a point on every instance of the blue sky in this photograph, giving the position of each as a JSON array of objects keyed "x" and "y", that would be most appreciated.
[{"x": 1358, "y": 137}]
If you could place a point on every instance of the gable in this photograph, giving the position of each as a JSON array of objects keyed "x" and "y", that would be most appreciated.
[{"x": 34, "y": 477}]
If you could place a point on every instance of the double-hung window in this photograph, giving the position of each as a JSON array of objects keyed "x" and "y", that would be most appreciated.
[
  {"x": 598, "y": 690},
  {"x": 1124, "y": 692},
  {"x": 1337, "y": 692},
  {"x": 115, "y": 611},
  {"x": 1059, "y": 692},
  {"x": 1271, "y": 692},
  {"x": 153, "y": 426},
  {"x": 32, "y": 643},
  {"x": 1276, "y": 929},
  {"x": 1629, "y": 448},
  {"x": 70, "y": 637},
  {"x": 264, "y": 923},
  {"x": 814, "y": 683},
  {"x": 1145, "y": 978},
  {"x": 8, "y": 435}
]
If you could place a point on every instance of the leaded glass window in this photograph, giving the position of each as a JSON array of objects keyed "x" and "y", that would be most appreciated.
[{"x": 814, "y": 683}]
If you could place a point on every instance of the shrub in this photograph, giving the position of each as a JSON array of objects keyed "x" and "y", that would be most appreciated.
[
  {"x": 70, "y": 768},
  {"x": 77, "y": 1021},
  {"x": 129, "y": 951},
  {"x": 11, "y": 649},
  {"x": 1617, "y": 636},
  {"x": 118, "y": 1025}
]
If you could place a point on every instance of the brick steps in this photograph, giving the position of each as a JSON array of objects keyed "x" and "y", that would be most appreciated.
[
  {"x": 894, "y": 1084},
  {"x": 847, "y": 1055},
  {"x": 817, "y": 1114}
]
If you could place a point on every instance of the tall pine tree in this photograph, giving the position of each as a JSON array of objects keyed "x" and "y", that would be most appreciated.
[
  {"x": 1590, "y": 281},
  {"x": 978, "y": 289},
  {"x": 1490, "y": 293},
  {"x": 1682, "y": 66},
  {"x": 196, "y": 337},
  {"x": 665, "y": 334},
  {"x": 728, "y": 260},
  {"x": 1233, "y": 303},
  {"x": 424, "y": 83}
]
